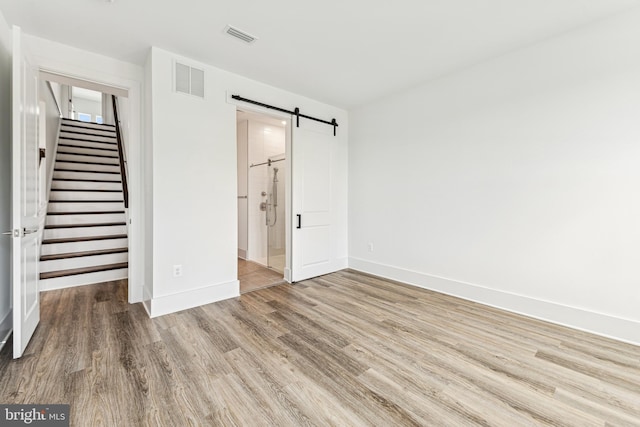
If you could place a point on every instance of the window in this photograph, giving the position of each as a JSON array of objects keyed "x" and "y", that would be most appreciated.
[
  {"x": 84, "y": 117},
  {"x": 99, "y": 119}
]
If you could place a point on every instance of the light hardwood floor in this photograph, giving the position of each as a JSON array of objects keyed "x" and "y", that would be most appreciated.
[
  {"x": 254, "y": 276},
  {"x": 345, "y": 349}
]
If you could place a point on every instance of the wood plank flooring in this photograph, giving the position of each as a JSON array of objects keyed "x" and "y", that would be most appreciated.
[
  {"x": 344, "y": 349},
  {"x": 254, "y": 276}
]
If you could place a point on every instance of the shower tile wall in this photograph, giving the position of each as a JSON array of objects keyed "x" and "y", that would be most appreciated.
[{"x": 264, "y": 141}]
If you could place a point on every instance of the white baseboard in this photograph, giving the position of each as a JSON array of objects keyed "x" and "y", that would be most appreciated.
[
  {"x": 242, "y": 254},
  {"x": 146, "y": 300},
  {"x": 6, "y": 328},
  {"x": 167, "y": 304},
  {"x": 597, "y": 323}
]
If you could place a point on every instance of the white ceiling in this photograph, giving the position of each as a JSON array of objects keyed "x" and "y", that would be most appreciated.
[
  {"x": 343, "y": 52},
  {"x": 87, "y": 94}
]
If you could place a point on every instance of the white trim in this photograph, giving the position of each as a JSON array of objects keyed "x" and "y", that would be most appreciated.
[
  {"x": 146, "y": 302},
  {"x": 70, "y": 80},
  {"x": 6, "y": 328},
  {"x": 130, "y": 87},
  {"x": 167, "y": 304},
  {"x": 626, "y": 330}
]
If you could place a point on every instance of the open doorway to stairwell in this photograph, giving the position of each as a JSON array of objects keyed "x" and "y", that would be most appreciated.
[
  {"x": 85, "y": 237},
  {"x": 262, "y": 199}
]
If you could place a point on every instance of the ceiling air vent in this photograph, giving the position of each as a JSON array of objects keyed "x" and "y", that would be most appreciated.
[{"x": 239, "y": 34}]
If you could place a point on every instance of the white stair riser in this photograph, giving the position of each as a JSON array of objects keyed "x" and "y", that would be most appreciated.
[
  {"x": 88, "y": 168},
  {"x": 93, "y": 245},
  {"x": 87, "y": 125},
  {"x": 74, "y": 158},
  {"x": 87, "y": 151},
  {"x": 82, "y": 132},
  {"x": 95, "y": 176},
  {"x": 84, "y": 185},
  {"x": 84, "y": 219},
  {"x": 63, "y": 233},
  {"x": 84, "y": 195},
  {"x": 88, "y": 144},
  {"x": 85, "y": 207},
  {"x": 82, "y": 279},
  {"x": 81, "y": 137},
  {"x": 81, "y": 262}
]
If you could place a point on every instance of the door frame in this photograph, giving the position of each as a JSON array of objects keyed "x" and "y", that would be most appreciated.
[
  {"x": 288, "y": 162},
  {"x": 69, "y": 76}
]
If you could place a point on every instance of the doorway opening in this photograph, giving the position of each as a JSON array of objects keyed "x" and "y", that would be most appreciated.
[
  {"x": 83, "y": 183},
  {"x": 262, "y": 199}
]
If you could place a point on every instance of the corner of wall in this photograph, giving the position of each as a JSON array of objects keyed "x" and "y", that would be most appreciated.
[
  {"x": 576, "y": 318},
  {"x": 167, "y": 304}
]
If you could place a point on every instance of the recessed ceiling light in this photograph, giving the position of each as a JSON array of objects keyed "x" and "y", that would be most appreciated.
[{"x": 284, "y": 123}]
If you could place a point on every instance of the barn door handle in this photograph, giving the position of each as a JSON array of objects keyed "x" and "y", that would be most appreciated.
[{"x": 299, "y": 221}]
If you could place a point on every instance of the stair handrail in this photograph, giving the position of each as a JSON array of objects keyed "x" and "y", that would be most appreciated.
[{"x": 123, "y": 169}]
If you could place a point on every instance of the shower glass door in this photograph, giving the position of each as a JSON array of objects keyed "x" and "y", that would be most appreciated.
[{"x": 276, "y": 214}]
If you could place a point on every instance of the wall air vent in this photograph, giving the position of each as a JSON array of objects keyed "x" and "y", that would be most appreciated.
[
  {"x": 239, "y": 34},
  {"x": 189, "y": 80}
]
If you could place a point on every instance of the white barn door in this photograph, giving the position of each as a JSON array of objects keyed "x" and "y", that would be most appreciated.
[
  {"x": 318, "y": 181},
  {"x": 25, "y": 250}
]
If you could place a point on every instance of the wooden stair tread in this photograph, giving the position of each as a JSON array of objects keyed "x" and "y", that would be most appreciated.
[
  {"x": 102, "y": 156},
  {"x": 83, "y": 239},
  {"x": 87, "y": 190},
  {"x": 84, "y": 171},
  {"x": 86, "y": 201},
  {"x": 84, "y": 270},
  {"x": 93, "y": 224},
  {"x": 87, "y": 148},
  {"x": 89, "y": 131},
  {"x": 83, "y": 254},
  {"x": 66, "y": 119},
  {"x": 85, "y": 213},
  {"x": 86, "y": 180},
  {"x": 88, "y": 163},
  {"x": 68, "y": 138}
]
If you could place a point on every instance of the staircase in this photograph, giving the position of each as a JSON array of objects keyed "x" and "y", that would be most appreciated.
[{"x": 85, "y": 233}]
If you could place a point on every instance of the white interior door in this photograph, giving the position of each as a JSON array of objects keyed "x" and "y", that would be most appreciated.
[
  {"x": 318, "y": 180},
  {"x": 25, "y": 153}
]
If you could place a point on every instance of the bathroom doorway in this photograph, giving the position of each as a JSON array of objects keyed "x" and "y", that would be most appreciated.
[{"x": 262, "y": 197}]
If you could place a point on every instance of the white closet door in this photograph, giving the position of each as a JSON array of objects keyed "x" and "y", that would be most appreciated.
[{"x": 317, "y": 172}]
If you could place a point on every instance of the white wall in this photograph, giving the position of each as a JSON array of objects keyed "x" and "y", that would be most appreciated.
[
  {"x": 147, "y": 174},
  {"x": 51, "y": 117},
  {"x": 87, "y": 106},
  {"x": 242, "y": 136},
  {"x": 514, "y": 183},
  {"x": 5, "y": 179},
  {"x": 195, "y": 182},
  {"x": 80, "y": 64}
]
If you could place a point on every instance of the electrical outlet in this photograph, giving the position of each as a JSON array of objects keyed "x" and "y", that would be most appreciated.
[
  {"x": 370, "y": 246},
  {"x": 177, "y": 270}
]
